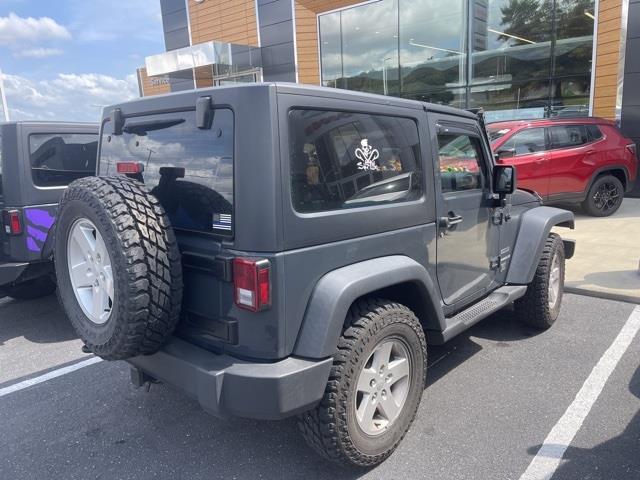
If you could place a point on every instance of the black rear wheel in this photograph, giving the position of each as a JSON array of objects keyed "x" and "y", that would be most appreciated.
[
  {"x": 374, "y": 388},
  {"x": 605, "y": 196}
]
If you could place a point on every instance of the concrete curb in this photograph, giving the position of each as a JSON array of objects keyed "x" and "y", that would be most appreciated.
[{"x": 604, "y": 295}]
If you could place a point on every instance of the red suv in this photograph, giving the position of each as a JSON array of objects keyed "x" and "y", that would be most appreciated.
[{"x": 585, "y": 160}]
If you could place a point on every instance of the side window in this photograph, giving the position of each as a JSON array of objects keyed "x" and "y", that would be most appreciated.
[
  {"x": 347, "y": 160},
  {"x": 568, "y": 136},
  {"x": 59, "y": 159},
  {"x": 460, "y": 162},
  {"x": 526, "y": 141},
  {"x": 594, "y": 132}
]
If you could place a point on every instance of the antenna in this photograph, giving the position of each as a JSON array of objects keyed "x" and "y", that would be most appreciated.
[{"x": 3, "y": 99}]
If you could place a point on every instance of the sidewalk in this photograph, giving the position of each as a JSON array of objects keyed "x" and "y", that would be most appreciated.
[{"x": 607, "y": 254}]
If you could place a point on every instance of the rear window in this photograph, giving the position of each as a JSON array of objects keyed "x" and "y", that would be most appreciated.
[
  {"x": 190, "y": 170},
  {"x": 594, "y": 132},
  {"x": 59, "y": 159},
  {"x": 346, "y": 160}
]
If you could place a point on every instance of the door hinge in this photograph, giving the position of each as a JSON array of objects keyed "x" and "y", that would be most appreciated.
[{"x": 494, "y": 263}]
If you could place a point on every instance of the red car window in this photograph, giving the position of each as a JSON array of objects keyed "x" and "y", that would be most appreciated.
[
  {"x": 568, "y": 136},
  {"x": 526, "y": 141}
]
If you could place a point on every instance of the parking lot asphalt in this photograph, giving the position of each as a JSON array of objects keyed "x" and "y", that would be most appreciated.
[{"x": 494, "y": 394}]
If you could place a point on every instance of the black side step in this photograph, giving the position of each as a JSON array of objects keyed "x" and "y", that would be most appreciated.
[{"x": 495, "y": 301}]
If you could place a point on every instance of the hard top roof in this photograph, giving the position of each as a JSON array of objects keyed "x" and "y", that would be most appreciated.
[
  {"x": 50, "y": 123},
  {"x": 154, "y": 103}
]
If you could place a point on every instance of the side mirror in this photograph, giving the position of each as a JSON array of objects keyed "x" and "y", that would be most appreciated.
[
  {"x": 504, "y": 179},
  {"x": 506, "y": 153}
]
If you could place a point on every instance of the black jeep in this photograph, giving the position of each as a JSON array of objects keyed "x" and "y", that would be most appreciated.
[
  {"x": 37, "y": 161},
  {"x": 279, "y": 249}
]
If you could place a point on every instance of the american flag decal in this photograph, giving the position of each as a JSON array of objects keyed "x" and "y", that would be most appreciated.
[{"x": 222, "y": 221}]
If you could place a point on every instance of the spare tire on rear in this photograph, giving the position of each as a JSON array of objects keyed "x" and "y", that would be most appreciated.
[{"x": 118, "y": 266}]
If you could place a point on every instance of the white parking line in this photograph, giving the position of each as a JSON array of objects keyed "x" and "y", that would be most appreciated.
[
  {"x": 48, "y": 376},
  {"x": 548, "y": 458}
]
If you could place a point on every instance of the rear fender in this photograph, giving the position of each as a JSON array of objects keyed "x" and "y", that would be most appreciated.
[
  {"x": 338, "y": 290},
  {"x": 535, "y": 226}
]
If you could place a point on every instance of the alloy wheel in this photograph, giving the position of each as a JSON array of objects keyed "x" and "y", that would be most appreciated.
[
  {"x": 90, "y": 271},
  {"x": 383, "y": 386},
  {"x": 554, "y": 282},
  {"x": 606, "y": 197}
]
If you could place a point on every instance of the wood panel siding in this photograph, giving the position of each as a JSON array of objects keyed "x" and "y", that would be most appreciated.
[
  {"x": 306, "y": 12},
  {"x": 232, "y": 21},
  {"x": 607, "y": 58}
]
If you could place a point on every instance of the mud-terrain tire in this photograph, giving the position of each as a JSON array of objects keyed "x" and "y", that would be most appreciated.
[
  {"x": 604, "y": 197},
  {"x": 333, "y": 428},
  {"x": 146, "y": 272},
  {"x": 32, "y": 289},
  {"x": 539, "y": 308}
]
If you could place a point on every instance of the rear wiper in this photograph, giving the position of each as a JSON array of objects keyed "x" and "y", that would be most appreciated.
[{"x": 141, "y": 128}]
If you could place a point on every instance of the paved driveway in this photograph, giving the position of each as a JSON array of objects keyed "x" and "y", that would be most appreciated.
[{"x": 494, "y": 395}]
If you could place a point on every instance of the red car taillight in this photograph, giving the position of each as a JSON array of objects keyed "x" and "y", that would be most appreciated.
[
  {"x": 252, "y": 283},
  {"x": 12, "y": 222}
]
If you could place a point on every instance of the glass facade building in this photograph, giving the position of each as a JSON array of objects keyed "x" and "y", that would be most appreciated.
[{"x": 514, "y": 58}]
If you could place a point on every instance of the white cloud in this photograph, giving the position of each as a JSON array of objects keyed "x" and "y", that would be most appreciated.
[
  {"x": 70, "y": 97},
  {"x": 38, "y": 52},
  {"x": 15, "y": 30}
]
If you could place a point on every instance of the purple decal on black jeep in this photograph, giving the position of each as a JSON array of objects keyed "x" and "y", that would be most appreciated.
[{"x": 37, "y": 217}]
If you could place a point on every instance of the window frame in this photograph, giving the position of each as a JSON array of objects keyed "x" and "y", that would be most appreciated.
[
  {"x": 29, "y": 166},
  {"x": 230, "y": 237},
  {"x": 588, "y": 142},
  {"x": 484, "y": 163},
  {"x": 420, "y": 163},
  {"x": 547, "y": 140}
]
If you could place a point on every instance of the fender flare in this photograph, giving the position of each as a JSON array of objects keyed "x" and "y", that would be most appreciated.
[
  {"x": 336, "y": 291},
  {"x": 609, "y": 168},
  {"x": 535, "y": 226},
  {"x": 47, "y": 248}
]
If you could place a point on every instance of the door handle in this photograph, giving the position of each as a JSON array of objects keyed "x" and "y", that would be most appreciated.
[{"x": 450, "y": 220}]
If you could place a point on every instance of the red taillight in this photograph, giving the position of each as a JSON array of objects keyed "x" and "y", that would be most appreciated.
[
  {"x": 252, "y": 283},
  {"x": 12, "y": 222},
  {"x": 128, "y": 168}
]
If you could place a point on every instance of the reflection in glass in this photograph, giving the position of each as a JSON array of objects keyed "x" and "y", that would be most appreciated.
[
  {"x": 331, "y": 50},
  {"x": 347, "y": 160},
  {"x": 432, "y": 45},
  {"x": 529, "y": 58},
  {"x": 189, "y": 170},
  {"x": 511, "y": 40}
]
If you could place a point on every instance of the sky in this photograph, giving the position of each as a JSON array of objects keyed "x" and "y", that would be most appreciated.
[{"x": 67, "y": 59}]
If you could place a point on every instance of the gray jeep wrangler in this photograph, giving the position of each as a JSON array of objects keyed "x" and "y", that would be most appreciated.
[
  {"x": 37, "y": 161},
  {"x": 278, "y": 250}
]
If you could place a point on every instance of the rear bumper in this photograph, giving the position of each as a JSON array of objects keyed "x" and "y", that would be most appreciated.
[
  {"x": 10, "y": 272},
  {"x": 227, "y": 386}
]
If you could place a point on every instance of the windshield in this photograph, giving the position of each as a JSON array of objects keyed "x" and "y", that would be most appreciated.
[
  {"x": 496, "y": 133},
  {"x": 190, "y": 170}
]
